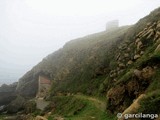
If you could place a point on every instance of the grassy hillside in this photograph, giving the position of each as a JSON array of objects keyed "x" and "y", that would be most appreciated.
[
  {"x": 80, "y": 66},
  {"x": 118, "y": 65},
  {"x": 78, "y": 107}
]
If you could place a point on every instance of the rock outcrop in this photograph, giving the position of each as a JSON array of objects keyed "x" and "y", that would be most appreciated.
[
  {"x": 7, "y": 93},
  {"x": 133, "y": 108},
  {"x": 139, "y": 63}
]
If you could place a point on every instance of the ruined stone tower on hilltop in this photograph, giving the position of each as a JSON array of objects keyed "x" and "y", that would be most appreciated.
[{"x": 112, "y": 25}]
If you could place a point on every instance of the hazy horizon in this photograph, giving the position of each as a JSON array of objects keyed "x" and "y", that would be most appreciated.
[{"x": 32, "y": 29}]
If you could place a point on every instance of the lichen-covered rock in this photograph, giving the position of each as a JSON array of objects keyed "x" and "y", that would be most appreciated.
[
  {"x": 113, "y": 73},
  {"x": 133, "y": 108},
  {"x": 148, "y": 33},
  {"x": 142, "y": 52},
  {"x": 137, "y": 73},
  {"x": 157, "y": 50},
  {"x": 121, "y": 65},
  {"x": 136, "y": 56},
  {"x": 139, "y": 45},
  {"x": 137, "y": 40},
  {"x": 157, "y": 35},
  {"x": 132, "y": 87},
  {"x": 12, "y": 118},
  {"x": 147, "y": 72},
  {"x": 158, "y": 41},
  {"x": 120, "y": 71},
  {"x": 116, "y": 94},
  {"x": 126, "y": 55},
  {"x": 40, "y": 118},
  {"x": 129, "y": 62},
  {"x": 158, "y": 26},
  {"x": 128, "y": 49}
]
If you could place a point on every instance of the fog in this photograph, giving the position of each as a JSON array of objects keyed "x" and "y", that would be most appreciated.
[{"x": 32, "y": 29}]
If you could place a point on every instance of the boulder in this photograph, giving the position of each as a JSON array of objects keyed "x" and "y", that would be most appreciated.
[
  {"x": 158, "y": 26},
  {"x": 121, "y": 65},
  {"x": 148, "y": 24},
  {"x": 136, "y": 56},
  {"x": 128, "y": 49},
  {"x": 113, "y": 73},
  {"x": 139, "y": 34},
  {"x": 117, "y": 68},
  {"x": 137, "y": 40},
  {"x": 133, "y": 108},
  {"x": 153, "y": 25},
  {"x": 129, "y": 62},
  {"x": 27, "y": 117},
  {"x": 147, "y": 72},
  {"x": 142, "y": 52},
  {"x": 11, "y": 118},
  {"x": 126, "y": 55},
  {"x": 132, "y": 86},
  {"x": 120, "y": 71},
  {"x": 158, "y": 41},
  {"x": 139, "y": 45},
  {"x": 40, "y": 118},
  {"x": 119, "y": 59},
  {"x": 137, "y": 73},
  {"x": 116, "y": 94},
  {"x": 58, "y": 118},
  {"x": 157, "y": 35},
  {"x": 157, "y": 50},
  {"x": 148, "y": 33}
]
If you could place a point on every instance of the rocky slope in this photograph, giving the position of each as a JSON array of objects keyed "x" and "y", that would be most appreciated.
[
  {"x": 7, "y": 93},
  {"x": 136, "y": 68},
  {"x": 120, "y": 64}
]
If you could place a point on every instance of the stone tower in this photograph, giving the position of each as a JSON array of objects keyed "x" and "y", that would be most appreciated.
[
  {"x": 112, "y": 25},
  {"x": 44, "y": 85}
]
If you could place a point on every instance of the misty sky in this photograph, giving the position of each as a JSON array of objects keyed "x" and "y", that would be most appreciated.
[{"x": 32, "y": 29}]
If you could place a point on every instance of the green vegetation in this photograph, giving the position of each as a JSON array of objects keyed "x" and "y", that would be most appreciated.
[
  {"x": 150, "y": 104},
  {"x": 126, "y": 77},
  {"x": 147, "y": 58},
  {"x": 2, "y": 117},
  {"x": 68, "y": 105},
  {"x": 80, "y": 107},
  {"x": 155, "y": 82}
]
